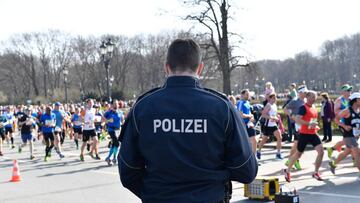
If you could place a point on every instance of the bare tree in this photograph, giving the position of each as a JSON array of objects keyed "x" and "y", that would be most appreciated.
[{"x": 214, "y": 16}]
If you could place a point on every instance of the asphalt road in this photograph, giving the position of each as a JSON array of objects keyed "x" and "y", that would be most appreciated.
[{"x": 69, "y": 180}]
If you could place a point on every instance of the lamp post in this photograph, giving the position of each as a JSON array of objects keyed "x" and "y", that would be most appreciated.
[
  {"x": 66, "y": 73},
  {"x": 106, "y": 51},
  {"x": 110, "y": 84}
]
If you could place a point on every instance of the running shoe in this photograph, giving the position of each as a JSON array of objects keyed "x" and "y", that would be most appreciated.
[
  {"x": 287, "y": 175},
  {"x": 108, "y": 161},
  {"x": 1, "y": 154},
  {"x": 97, "y": 157},
  {"x": 317, "y": 176},
  {"x": 12, "y": 146},
  {"x": 114, "y": 161},
  {"x": 82, "y": 158},
  {"x": 32, "y": 157},
  {"x": 61, "y": 155},
  {"x": 19, "y": 150},
  {"x": 332, "y": 166},
  {"x": 278, "y": 156},
  {"x": 258, "y": 155},
  {"x": 46, "y": 158},
  {"x": 330, "y": 151},
  {"x": 297, "y": 165}
]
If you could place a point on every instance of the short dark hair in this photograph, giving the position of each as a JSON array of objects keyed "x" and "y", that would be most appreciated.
[
  {"x": 183, "y": 54},
  {"x": 244, "y": 91}
]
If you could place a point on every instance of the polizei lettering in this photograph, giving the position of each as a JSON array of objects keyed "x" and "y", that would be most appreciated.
[{"x": 180, "y": 125}]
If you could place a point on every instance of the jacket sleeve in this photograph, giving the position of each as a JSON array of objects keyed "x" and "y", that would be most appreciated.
[
  {"x": 239, "y": 159},
  {"x": 130, "y": 161}
]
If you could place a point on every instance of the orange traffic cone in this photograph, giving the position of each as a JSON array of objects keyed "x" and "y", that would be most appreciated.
[{"x": 16, "y": 173}]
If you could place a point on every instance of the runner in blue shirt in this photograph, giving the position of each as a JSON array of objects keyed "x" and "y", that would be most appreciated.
[
  {"x": 9, "y": 126},
  {"x": 48, "y": 122},
  {"x": 77, "y": 122},
  {"x": 2, "y": 131},
  {"x": 245, "y": 112},
  {"x": 59, "y": 131},
  {"x": 114, "y": 118}
]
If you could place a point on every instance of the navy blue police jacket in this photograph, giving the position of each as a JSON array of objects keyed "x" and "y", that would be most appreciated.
[{"x": 182, "y": 143}]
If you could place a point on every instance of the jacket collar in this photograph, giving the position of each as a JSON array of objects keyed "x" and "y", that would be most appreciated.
[{"x": 182, "y": 81}]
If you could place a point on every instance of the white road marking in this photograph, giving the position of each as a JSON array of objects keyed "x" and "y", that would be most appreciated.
[
  {"x": 105, "y": 172},
  {"x": 330, "y": 194}
]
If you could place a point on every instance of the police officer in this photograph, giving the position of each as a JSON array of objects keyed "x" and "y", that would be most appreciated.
[{"x": 182, "y": 142}]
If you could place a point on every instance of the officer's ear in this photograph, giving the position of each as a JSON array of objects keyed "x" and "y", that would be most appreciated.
[
  {"x": 167, "y": 69},
  {"x": 200, "y": 69}
]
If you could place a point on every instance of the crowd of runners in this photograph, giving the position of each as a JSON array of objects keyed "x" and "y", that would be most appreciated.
[
  {"x": 85, "y": 124},
  {"x": 303, "y": 119},
  {"x": 88, "y": 123}
]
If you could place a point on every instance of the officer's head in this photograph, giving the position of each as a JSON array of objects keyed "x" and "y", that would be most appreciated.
[{"x": 184, "y": 56}]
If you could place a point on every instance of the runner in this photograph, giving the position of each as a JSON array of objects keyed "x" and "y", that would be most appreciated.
[
  {"x": 271, "y": 126},
  {"x": 77, "y": 122},
  {"x": 292, "y": 109},
  {"x": 48, "y": 123},
  {"x": 114, "y": 118},
  {"x": 351, "y": 125},
  {"x": 59, "y": 131},
  {"x": 2, "y": 131},
  {"x": 27, "y": 124},
  {"x": 89, "y": 130},
  {"x": 307, "y": 118},
  {"x": 341, "y": 103},
  {"x": 98, "y": 126},
  {"x": 9, "y": 126},
  {"x": 245, "y": 112}
]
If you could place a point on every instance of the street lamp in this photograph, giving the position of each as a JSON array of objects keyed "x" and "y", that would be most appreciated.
[
  {"x": 106, "y": 51},
  {"x": 66, "y": 73}
]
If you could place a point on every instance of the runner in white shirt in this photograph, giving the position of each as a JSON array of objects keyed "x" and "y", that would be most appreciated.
[{"x": 89, "y": 131}]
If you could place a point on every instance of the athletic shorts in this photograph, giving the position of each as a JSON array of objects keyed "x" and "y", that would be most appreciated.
[
  {"x": 268, "y": 131},
  {"x": 49, "y": 135},
  {"x": 296, "y": 135},
  {"x": 8, "y": 130},
  {"x": 78, "y": 130},
  {"x": 87, "y": 134},
  {"x": 305, "y": 139},
  {"x": 2, "y": 134},
  {"x": 351, "y": 142},
  {"x": 26, "y": 137},
  {"x": 250, "y": 131}
]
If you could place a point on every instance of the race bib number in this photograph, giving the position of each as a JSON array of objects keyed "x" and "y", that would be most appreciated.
[
  {"x": 356, "y": 132},
  {"x": 98, "y": 119},
  {"x": 77, "y": 123},
  {"x": 49, "y": 123}
]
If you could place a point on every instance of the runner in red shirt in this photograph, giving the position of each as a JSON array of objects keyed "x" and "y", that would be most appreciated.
[{"x": 307, "y": 117}]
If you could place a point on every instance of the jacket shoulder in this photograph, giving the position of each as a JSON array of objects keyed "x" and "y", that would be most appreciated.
[
  {"x": 146, "y": 94},
  {"x": 219, "y": 94}
]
